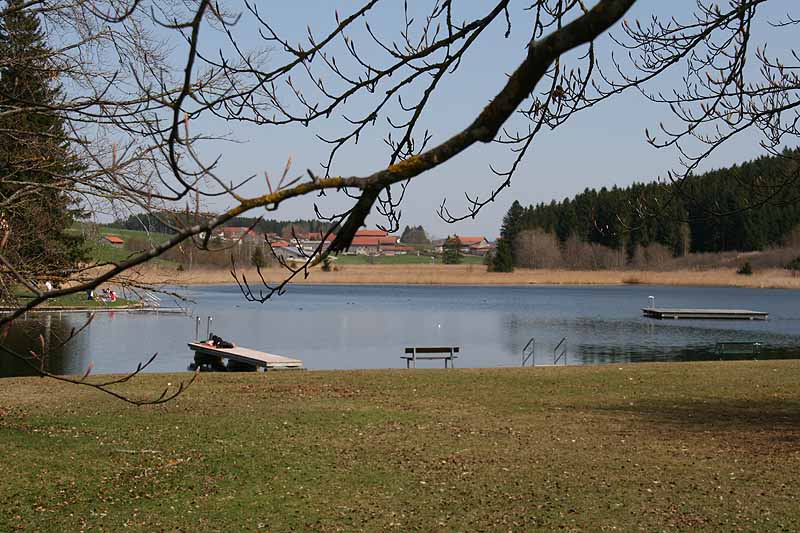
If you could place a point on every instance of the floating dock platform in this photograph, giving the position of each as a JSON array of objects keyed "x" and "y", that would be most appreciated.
[
  {"x": 247, "y": 356},
  {"x": 704, "y": 314}
]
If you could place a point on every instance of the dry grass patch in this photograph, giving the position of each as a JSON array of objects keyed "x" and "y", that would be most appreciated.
[{"x": 477, "y": 275}]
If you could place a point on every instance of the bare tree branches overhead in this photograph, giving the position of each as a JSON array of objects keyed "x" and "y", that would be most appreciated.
[
  {"x": 141, "y": 111},
  {"x": 145, "y": 88},
  {"x": 730, "y": 85}
]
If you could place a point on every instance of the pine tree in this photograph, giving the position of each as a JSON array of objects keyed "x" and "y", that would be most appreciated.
[
  {"x": 504, "y": 259},
  {"x": 37, "y": 166},
  {"x": 414, "y": 235},
  {"x": 452, "y": 251}
]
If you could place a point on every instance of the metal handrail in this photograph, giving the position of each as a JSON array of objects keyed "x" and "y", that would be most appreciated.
[
  {"x": 557, "y": 356},
  {"x": 529, "y": 355},
  {"x": 209, "y": 320}
]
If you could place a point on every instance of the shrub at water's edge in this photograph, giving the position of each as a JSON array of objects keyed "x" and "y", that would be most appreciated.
[
  {"x": 746, "y": 269},
  {"x": 794, "y": 266}
]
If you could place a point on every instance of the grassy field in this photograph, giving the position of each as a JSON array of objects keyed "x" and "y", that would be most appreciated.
[
  {"x": 701, "y": 446},
  {"x": 102, "y": 252},
  {"x": 154, "y": 237}
]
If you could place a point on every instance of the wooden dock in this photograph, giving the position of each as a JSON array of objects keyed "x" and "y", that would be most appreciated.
[
  {"x": 704, "y": 314},
  {"x": 247, "y": 356}
]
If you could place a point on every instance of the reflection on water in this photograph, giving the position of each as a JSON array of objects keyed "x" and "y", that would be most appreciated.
[
  {"x": 368, "y": 326},
  {"x": 598, "y": 341},
  {"x": 27, "y": 337}
]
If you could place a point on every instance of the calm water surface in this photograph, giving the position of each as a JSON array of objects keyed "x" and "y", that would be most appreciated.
[{"x": 343, "y": 327}]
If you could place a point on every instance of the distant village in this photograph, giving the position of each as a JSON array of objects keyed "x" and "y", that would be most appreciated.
[
  {"x": 367, "y": 242},
  {"x": 288, "y": 240}
]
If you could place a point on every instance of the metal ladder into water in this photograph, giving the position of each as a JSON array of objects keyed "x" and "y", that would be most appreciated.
[
  {"x": 528, "y": 352},
  {"x": 557, "y": 355},
  {"x": 559, "y": 352}
]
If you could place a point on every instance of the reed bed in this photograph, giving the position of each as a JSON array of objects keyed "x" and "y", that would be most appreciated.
[{"x": 477, "y": 275}]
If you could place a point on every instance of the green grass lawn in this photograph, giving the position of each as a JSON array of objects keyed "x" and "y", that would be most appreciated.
[
  {"x": 104, "y": 253},
  {"x": 400, "y": 260},
  {"x": 700, "y": 446},
  {"x": 126, "y": 234},
  {"x": 101, "y": 252}
]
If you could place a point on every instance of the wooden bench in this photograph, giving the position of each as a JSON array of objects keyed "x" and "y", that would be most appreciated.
[
  {"x": 738, "y": 348},
  {"x": 446, "y": 353}
]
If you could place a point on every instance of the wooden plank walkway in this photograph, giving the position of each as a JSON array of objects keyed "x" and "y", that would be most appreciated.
[
  {"x": 722, "y": 314},
  {"x": 249, "y": 356}
]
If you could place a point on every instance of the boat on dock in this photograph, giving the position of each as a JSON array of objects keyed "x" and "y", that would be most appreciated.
[
  {"x": 704, "y": 314},
  {"x": 241, "y": 358}
]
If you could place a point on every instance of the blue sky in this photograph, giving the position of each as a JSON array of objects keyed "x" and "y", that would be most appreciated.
[{"x": 603, "y": 146}]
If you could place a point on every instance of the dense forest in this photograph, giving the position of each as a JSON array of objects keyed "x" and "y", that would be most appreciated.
[{"x": 744, "y": 207}]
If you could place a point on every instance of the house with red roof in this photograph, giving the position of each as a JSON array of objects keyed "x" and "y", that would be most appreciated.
[
  {"x": 363, "y": 232},
  {"x": 316, "y": 236},
  {"x": 238, "y": 233},
  {"x": 112, "y": 240},
  {"x": 279, "y": 243},
  {"x": 397, "y": 249},
  {"x": 312, "y": 241},
  {"x": 472, "y": 245},
  {"x": 470, "y": 241},
  {"x": 372, "y": 242},
  {"x": 469, "y": 244},
  {"x": 481, "y": 249}
]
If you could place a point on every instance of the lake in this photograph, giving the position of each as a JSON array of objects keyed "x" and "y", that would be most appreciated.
[{"x": 346, "y": 327}]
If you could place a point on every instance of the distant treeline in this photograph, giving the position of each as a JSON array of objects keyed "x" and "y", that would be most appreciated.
[
  {"x": 165, "y": 222},
  {"x": 744, "y": 207}
]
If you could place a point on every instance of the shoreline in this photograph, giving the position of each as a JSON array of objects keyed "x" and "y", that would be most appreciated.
[
  {"x": 476, "y": 275},
  {"x": 79, "y": 309}
]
